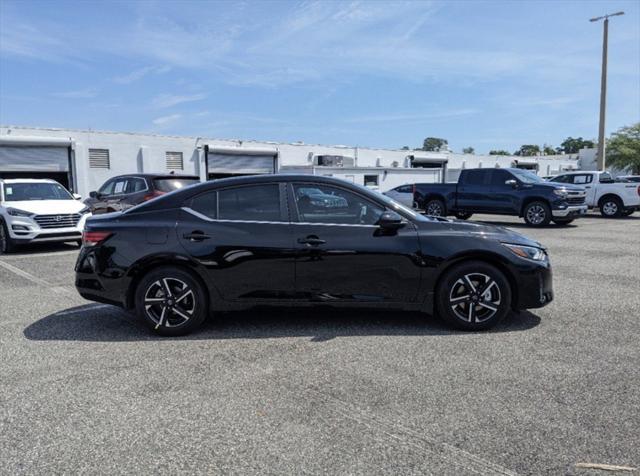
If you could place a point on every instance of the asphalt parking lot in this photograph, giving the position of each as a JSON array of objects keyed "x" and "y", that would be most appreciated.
[{"x": 85, "y": 388}]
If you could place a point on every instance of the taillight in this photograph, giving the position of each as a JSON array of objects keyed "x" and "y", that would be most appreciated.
[
  {"x": 154, "y": 194},
  {"x": 92, "y": 238},
  {"x": 638, "y": 190}
]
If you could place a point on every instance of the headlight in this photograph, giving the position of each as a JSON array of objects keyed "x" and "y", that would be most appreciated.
[
  {"x": 527, "y": 252},
  {"x": 560, "y": 193},
  {"x": 14, "y": 212}
]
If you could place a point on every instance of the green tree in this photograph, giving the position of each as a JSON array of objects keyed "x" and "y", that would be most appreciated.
[
  {"x": 573, "y": 146},
  {"x": 468, "y": 150},
  {"x": 499, "y": 152},
  {"x": 623, "y": 148},
  {"x": 528, "y": 150},
  {"x": 434, "y": 144},
  {"x": 548, "y": 150}
]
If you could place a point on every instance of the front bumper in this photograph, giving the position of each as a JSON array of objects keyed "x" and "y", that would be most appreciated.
[
  {"x": 27, "y": 230},
  {"x": 535, "y": 287},
  {"x": 570, "y": 211}
]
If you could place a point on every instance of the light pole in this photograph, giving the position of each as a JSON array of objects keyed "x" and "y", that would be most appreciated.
[{"x": 603, "y": 86}]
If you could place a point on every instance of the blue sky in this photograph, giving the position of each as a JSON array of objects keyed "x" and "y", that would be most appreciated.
[{"x": 369, "y": 73}]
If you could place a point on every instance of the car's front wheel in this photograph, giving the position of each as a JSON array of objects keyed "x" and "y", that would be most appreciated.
[
  {"x": 473, "y": 296},
  {"x": 537, "y": 214},
  {"x": 611, "y": 207},
  {"x": 6, "y": 243},
  {"x": 171, "y": 301}
]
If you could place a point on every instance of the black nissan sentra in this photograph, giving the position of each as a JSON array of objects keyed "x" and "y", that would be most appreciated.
[{"x": 303, "y": 240}]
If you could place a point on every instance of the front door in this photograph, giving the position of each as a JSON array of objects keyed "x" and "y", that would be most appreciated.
[
  {"x": 505, "y": 198},
  {"x": 242, "y": 237},
  {"x": 343, "y": 256}
]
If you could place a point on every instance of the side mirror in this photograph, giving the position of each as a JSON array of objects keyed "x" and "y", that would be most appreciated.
[
  {"x": 513, "y": 183},
  {"x": 390, "y": 221},
  {"x": 77, "y": 196},
  {"x": 93, "y": 194}
]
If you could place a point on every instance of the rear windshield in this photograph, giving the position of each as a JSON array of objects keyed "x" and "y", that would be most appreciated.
[
  {"x": 171, "y": 184},
  {"x": 27, "y": 191}
]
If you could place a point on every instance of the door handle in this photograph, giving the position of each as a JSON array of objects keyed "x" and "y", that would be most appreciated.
[
  {"x": 311, "y": 240},
  {"x": 196, "y": 236}
]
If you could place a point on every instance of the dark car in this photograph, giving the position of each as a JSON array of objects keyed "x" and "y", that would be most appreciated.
[
  {"x": 506, "y": 191},
  {"x": 126, "y": 191},
  {"x": 240, "y": 242}
]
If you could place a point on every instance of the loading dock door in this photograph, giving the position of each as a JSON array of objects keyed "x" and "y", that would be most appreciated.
[
  {"x": 225, "y": 164},
  {"x": 26, "y": 161}
]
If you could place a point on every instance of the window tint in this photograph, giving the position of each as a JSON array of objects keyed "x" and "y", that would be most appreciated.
[
  {"x": 474, "y": 177},
  {"x": 499, "y": 177},
  {"x": 334, "y": 205},
  {"x": 107, "y": 188},
  {"x": 207, "y": 204},
  {"x": 171, "y": 184},
  {"x": 606, "y": 178},
  {"x": 563, "y": 179},
  {"x": 120, "y": 186},
  {"x": 259, "y": 203},
  {"x": 404, "y": 189},
  {"x": 135, "y": 185}
]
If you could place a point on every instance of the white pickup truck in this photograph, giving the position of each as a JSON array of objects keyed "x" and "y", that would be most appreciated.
[{"x": 614, "y": 199}]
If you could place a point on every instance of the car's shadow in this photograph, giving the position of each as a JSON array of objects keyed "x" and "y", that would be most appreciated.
[
  {"x": 104, "y": 323},
  {"x": 515, "y": 224},
  {"x": 42, "y": 248}
]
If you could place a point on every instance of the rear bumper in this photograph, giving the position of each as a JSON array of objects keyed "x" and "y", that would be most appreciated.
[{"x": 572, "y": 211}]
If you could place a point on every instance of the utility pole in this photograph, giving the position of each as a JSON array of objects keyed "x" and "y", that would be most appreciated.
[{"x": 603, "y": 87}]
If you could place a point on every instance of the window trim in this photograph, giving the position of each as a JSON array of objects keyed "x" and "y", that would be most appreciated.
[{"x": 295, "y": 215}]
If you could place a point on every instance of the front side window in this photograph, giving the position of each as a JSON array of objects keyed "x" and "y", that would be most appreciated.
[
  {"x": 326, "y": 204},
  {"x": 404, "y": 189},
  {"x": 526, "y": 176},
  {"x": 606, "y": 177},
  {"x": 107, "y": 188},
  {"x": 562, "y": 179},
  {"x": 253, "y": 203},
  {"x": 28, "y": 191}
]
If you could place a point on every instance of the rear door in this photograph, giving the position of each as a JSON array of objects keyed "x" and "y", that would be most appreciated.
[
  {"x": 242, "y": 236},
  {"x": 473, "y": 191},
  {"x": 343, "y": 256}
]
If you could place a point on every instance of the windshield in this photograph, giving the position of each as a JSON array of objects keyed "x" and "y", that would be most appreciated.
[
  {"x": 27, "y": 191},
  {"x": 526, "y": 176},
  {"x": 171, "y": 184}
]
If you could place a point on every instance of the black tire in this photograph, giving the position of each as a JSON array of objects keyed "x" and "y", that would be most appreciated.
[
  {"x": 435, "y": 207},
  {"x": 6, "y": 243},
  {"x": 611, "y": 207},
  {"x": 537, "y": 214},
  {"x": 177, "y": 313},
  {"x": 463, "y": 215},
  {"x": 563, "y": 222},
  {"x": 480, "y": 310},
  {"x": 628, "y": 212}
]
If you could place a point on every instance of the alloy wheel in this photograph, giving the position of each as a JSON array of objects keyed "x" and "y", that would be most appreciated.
[
  {"x": 169, "y": 302},
  {"x": 434, "y": 209},
  {"x": 475, "y": 298},
  {"x": 536, "y": 214},
  {"x": 610, "y": 208}
]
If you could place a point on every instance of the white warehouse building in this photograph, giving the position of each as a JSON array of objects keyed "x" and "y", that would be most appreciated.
[{"x": 83, "y": 160}]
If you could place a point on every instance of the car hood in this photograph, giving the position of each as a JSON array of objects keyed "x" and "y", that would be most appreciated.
[
  {"x": 47, "y": 207},
  {"x": 561, "y": 186},
  {"x": 481, "y": 231}
]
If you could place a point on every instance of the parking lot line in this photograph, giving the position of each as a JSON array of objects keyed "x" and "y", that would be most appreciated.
[
  {"x": 39, "y": 255},
  {"x": 35, "y": 279}
]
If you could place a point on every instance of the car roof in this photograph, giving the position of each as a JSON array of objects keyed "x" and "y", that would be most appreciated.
[{"x": 27, "y": 180}]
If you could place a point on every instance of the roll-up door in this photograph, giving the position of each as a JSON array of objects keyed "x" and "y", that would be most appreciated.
[
  {"x": 241, "y": 164},
  {"x": 34, "y": 158}
]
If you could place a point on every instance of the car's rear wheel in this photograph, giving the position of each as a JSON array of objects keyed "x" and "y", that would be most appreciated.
[
  {"x": 473, "y": 296},
  {"x": 537, "y": 214},
  {"x": 171, "y": 301},
  {"x": 561, "y": 222},
  {"x": 435, "y": 208},
  {"x": 6, "y": 243},
  {"x": 463, "y": 215},
  {"x": 611, "y": 207}
]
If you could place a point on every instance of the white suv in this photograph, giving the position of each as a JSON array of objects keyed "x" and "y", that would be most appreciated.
[{"x": 38, "y": 210}]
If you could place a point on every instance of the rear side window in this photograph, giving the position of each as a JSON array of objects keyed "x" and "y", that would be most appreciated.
[
  {"x": 206, "y": 204},
  {"x": 580, "y": 179},
  {"x": 255, "y": 203},
  {"x": 404, "y": 189},
  {"x": 499, "y": 177},
  {"x": 605, "y": 178},
  {"x": 474, "y": 177},
  {"x": 136, "y": 185}
]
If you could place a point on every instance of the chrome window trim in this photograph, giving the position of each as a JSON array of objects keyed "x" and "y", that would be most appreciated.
[{"x": 206, "y": 218}]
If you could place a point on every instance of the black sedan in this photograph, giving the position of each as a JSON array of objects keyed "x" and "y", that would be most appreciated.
[{"x": 240, "y": 242}]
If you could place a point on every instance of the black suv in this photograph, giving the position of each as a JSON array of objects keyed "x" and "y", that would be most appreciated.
[
  {"x": 238, "y": 242},
  {"x": 126, "y": 191}
]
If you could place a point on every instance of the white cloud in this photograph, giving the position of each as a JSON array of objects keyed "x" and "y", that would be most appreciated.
[
  {"x": 141, "y": 73},
  {"x": 169, "y": 100},
  {"x": 165, "y": 120}
]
